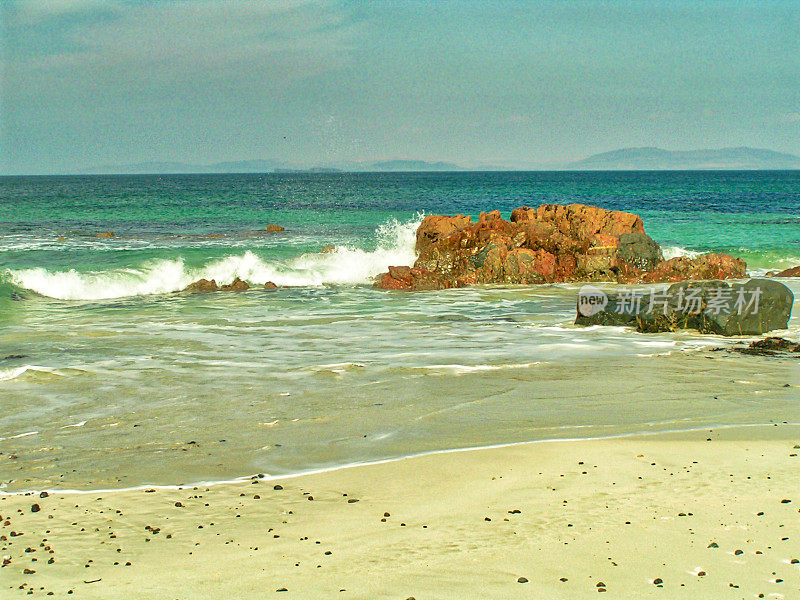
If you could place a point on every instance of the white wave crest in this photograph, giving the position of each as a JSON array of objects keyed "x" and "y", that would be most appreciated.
[
  {"x": 675, "y": 251},
  {"x": 14, "y": 372},
  {"x": 343, "y": 266}
]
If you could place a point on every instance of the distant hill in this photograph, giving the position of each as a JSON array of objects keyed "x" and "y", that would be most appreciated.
[
  {"x": 414, "y": 165},
  {"x": 274, "y": 166},
  {"x": 163, "y": 167},
  {"x": 658, "y": 159}
]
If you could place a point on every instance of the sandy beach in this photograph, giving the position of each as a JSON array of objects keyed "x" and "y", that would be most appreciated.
[{"x": 704, "y": 514}]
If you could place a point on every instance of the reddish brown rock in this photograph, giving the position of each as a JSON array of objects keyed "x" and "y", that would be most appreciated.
[
  {"x": 705, "y": 266},
  {"x": 551, "y": 243},
  {"x": 237, "y": 285},
  {"x": 270, "y": 286},
  {"x": 386, "y": 282},
  {"x": 106, "y": 234},
  {"x": 793, "y": 272},
  {"x": 202, "y": 285},
  {"x": 274, "y": 228},
  {"x": 206, "y": 285},
  {"x": 436, "y": 227}
]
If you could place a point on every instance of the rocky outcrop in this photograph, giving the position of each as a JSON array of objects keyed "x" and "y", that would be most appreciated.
[
  {"x": 237, "y": 285},
  {"x": 206, "y": 285},
  {"x": 771, "y": 346},
  {"x": 551, "y": 243},
  {"x": 705, "y": 266},
  {"x": 751, "y": 308},
  {"x": 202, "y": 286},
  {"x": 792, "y": 272}
]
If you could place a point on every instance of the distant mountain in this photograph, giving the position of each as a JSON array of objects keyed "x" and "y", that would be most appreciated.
[
  {"x": 658, "y": 159},
  {"x": 414, "y": 165},
  {"x": 163, "y": 167},
  {"x": 274, "y": 166}
]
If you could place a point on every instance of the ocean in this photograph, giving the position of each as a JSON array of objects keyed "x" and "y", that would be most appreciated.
[{"x": 110, "y": 377}]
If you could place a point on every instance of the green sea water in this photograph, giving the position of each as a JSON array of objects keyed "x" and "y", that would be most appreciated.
[{"x": 108, "y": 371}]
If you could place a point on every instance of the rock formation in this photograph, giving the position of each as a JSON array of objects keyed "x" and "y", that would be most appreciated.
[
  {"x": 205, "y": 286},
  {"x": 792, "y": 272},
  {"x": 771, "y": 346},
  {"x": 551, "y": 243},
  {"x": 751, "y": 308}
]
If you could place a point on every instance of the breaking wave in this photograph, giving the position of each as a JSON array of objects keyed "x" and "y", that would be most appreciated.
[
  {"x": 343, "y": 266},
  {"x": 675, "y": 251}
]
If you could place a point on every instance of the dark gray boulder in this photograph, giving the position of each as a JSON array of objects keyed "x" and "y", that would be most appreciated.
[
  {"x": 639, "y": 250},
  {"x": 751, "y": 308}
]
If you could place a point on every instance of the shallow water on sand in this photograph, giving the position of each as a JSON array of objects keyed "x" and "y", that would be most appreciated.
[
  {"x": 109, "y": 378},
  {"x": 194, "y": 387}
]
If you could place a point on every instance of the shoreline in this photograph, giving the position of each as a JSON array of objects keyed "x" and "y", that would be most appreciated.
[
  {"x": 683, "y": 515},
  {"x": 265, "y": 477}
]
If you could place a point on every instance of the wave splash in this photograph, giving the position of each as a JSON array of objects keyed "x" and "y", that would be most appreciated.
[{"x": 343, "y": 266}]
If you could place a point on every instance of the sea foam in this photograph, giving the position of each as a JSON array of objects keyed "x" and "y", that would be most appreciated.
[{"x": 343, "y": 266}]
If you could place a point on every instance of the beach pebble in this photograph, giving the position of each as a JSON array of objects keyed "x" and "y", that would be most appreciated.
[{"x": 522, "y": 580}]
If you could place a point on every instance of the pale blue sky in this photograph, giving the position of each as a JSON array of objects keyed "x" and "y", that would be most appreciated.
[{"x": 519, "y": 84}]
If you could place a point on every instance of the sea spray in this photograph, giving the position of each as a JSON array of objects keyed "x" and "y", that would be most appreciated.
[{"x": 345, "y": 265}]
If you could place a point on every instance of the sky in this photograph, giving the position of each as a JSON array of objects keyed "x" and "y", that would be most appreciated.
[{"x": 85, "y": 83}]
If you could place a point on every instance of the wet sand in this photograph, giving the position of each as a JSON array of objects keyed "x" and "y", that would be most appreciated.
[{"x": 707, "y": 514}]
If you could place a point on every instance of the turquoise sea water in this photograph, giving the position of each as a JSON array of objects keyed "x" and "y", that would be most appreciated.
[{"x": 107, "y": 371}]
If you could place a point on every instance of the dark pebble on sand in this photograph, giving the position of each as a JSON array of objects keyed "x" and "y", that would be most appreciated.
[
  {"x": 657, "y": 581},
  {"x": 35, "y": 508},
  {"x": 522, "y": 580},
  {"x": 738, "y": 552},
  {"x": 352, "y": 500},
  {"x": 277, "y": 487},
  {"x": 43, "y": 495},
  {"x": 179, "y": 505},
  {"x": 281, "y": 590}
]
